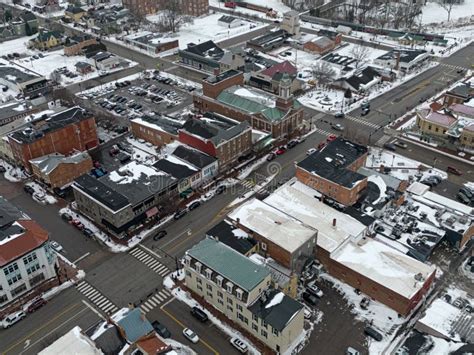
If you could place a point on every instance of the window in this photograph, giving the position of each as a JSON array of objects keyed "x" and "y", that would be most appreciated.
[
  {"x": 198, "y": 280},
  {"x": 208, "y": 273},
  {"x": 220, "y": 302},
  {"x": 246, "y": 320},
  {"x": 255, "y": 327},
  {"x": 230, "y": 309},
  {"x": 209, "y": 287},
  {"x": 32, "y": 268},
  {"x": 36, "y": 279},
  {"x": 13, "y": 279},
  {"x": 188, "y": 273},
  {"x": 219, "y": 280},
  {"x": 264, "y": 333},
  {"x": 240, "y": 316},
  {"x": 264, "y": 324},
  {"x": 229, "y": 301},
  {"x": 3, "y": 299},
  {"x": 199, "y": 288},
  {"x": 220, "y": 294},
  {"x": 239, "y": 293},
  {"x": 229, "y": 287},
  {"x": 239, "y": 307},
  {"x": 187, "y": 260},
  {"x": 29, "y": 258},
  {"x": 20, "y": 289},
  {"x": 209, "y": 294},
  {"x": 275, "y": 331},
  {"x": 10, "y": 269},
  {"x": 254, "y": 318},
  {"x": 263, "y": 246}
]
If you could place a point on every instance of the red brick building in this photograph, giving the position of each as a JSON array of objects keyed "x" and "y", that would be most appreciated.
[
  {"x": 147, "y": 7},
  {"x": 74, "y": 45},
  {"x": 156, "y": 130},
  {"x": 320, "y": 45},
  {"x": 65, "y": 132}
]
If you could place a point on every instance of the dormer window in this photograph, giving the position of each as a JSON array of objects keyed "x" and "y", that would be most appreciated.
[
  {"x": 229, "y": 286},
  {"x": 219, "y": 280},
  {"x": 187, "y": 260},
  {"x": 198, "y": 267},
  {"x": 240, "y": 294},
  {"x": 208, "y": 273}
]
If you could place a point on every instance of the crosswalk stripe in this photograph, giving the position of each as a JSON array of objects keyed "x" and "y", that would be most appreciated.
[
  {"x": 166, "y": 292},
  {"x": 82, "y": 286},
  {"x": 91, "y": 292},
  {"x": 150, "y": 301},
  {"x": 102, "y": 303},
  {"x": 154, "y": 264},
  {"x": 157, "y": 299},
  {"x": 164, "y": 273},
  {"x": 160, "y": 268},
  {"x": 140, "y": 254},
  {"x": 96, "y": 296},
  {"x": 109, "y": 308},
  {"x": 147, "y": 259},
  {"x": 145, "y": 308},
  {"x": 160, "y": 297},
  {"x": 86, "y": 289},
  {"x": 136, "y": 251}
]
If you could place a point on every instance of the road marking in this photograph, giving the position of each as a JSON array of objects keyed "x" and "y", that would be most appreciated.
[
  {"x": 150, "y": 251},
  {"x": 182, "y": 325},
  {"x": 81, "y": 257},
  {"x": 187, "y": 231},
  {"x": 24, "y": 339},
  {"x": 27, "y": 343},
  {"x": 93, "y": 309}
]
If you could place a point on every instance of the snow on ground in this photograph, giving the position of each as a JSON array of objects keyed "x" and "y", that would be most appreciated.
[
  {"x": 432, "y": 12},
  {"x": 141, "y": 145},
  {"x": 40, "y": 195},
  {"x": 276, "y": 5},
  {"x": 206, "y": 28},
  {"x": 377, "y": 180},
  {"x": 251, "y": 167},
  {"x": 12, "y": 174},
  {"x": 18, "y": 45},
  {"x": 299, "y": 58},
  {"x": 347, "y": 50},
  {"x": 442, "y": 347},
  {"x": 323, "y": 99}
]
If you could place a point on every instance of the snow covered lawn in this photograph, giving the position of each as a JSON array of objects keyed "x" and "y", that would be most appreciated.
[
  {"x": 18, "y": 45},
  {"x": 434, "y": 13}
]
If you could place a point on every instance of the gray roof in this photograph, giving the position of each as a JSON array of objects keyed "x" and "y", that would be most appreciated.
[
  {"x": 229, "y": 263},
  {"x": 15, "y": 75},
  {"x": 9, "y": 213},
  {"x": 214, "y": 132},
  {"x": 135, "y": 325},
  {"x": 47, "y": 163},
  {"x": 193, "y": 156},
  {"x": 227, "y": 19}
]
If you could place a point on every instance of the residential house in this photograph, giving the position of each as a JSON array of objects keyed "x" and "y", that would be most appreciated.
[
  {"x": 333, "y": 171},
  {"x": 361, "y": 80},
  {"x": 134, "y": 326},
  {"x": 75, "y": 13},
  {"x": 46, "y": 136},
  {"x": 46, "y": 40},
  {"x": 83, "y": 68},
  {"x": 402, "y": 59},
  {"x": 240, "y": 289},
  {"x": 57, "y": 170},
  {"x": 74, "y": 45}
]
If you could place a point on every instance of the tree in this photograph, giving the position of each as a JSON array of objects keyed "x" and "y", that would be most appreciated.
[
  {"x": 348, "y": 94},
  {"x": 172, "y": 16},
  {"x": 323, "y": 72},
  {"x": 7, "y": 15},
  {"x": 448, "y": 6},
  {"x": 360, "y": 54}
]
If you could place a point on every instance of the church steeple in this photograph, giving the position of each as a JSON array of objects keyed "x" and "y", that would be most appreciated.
[{"x": 285, "y": 98}]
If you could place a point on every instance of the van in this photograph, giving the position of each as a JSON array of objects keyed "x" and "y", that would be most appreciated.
[
  {"x": 199, "y": 314},
  {"x": 371, "y": 332}
]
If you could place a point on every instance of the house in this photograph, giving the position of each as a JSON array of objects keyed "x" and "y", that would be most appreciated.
[
  {"x": 125, "y": 197},
  {"x": 74, "y": 45},
  {"x": 23, "y": 80},
  {"x": 286, "y": 240},
  {"x": 152, "y": 345},
  {"x": 25, "y": 24},
  {"x": 361, "y": 80},
  {"x": 153, "y": 43},
  {"x": 269, "y": 40},
  {"x": 319, "y": 45},
  {"x": 29, "y": 264},
  {"x": 134, "y": 326},
  {"x": 75, "y": 13},
  {"x": 333, "y": 171},
  {"x": 269, "y": 79},
  {"x": 188, "y": 177},
  {"x": 226, "y": 143},
  {"x": 228, "y": 234},
  {"x": 46, "y": 40},
  {"x": 158, "y": 130},
  {"x": 240, "y": 289},
  {"x": 57, "y": 170},
  {"x": 45, "y": 136},
  {"x": 195, "y": 7},
  {"x": 83, "y": 68},
  {"x": 74, "y": 341},
  {"x": 141, "y": 7},
  {"x": 206, "y": 164},
  {"x": 228, "y": 21},
  {"x": 281, "y": 115},
  {"x": 106, "y": 61},
  {"x": 459, "y": 94},
  {"x": 147, "y": 7},
  {"x": 110, "y": 341},
  {"x": 402, "y": 59}
]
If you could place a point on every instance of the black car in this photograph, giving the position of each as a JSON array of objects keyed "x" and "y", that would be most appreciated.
[
  {"x": 292, "y": 144},
  {"x": 199, "y": 314},
  {"x": 365, "y": 111},
  {"x": 371, "y": 332},
  {"x": 88, "y": 233},
  {"x": 179, "y": 213},
  {"x": 220, "y": 189},
  {"x": 159, "y": 235},
  {"x": 194, "y": 205},
  {"x": 390, "y": 146},
  {"x": 310, "y": 298},
  {"x": 66, "y": 216},
  {"x": 161, "y": 329},
  {"x": 60, "y": 192},
  {"x": 29, "y": 190}
]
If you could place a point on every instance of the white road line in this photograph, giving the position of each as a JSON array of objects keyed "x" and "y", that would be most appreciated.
[
  {"x": 82, "y": 285},
  {"x": 107, "y": 309},
  {"x": 91, "y": 293},
  {"x": 146, "y": 309},
  {"x": 154, "y": 264},
  {"x": 160, "y": 297},
  {"x": 166, "y": 303},
  {"x": 102, "y": 303},
  {"x": 156, "y": 299},
  {"x": 135, "y": 251},
  {"x": 164, "y": 274},
  {"x": 93, "y": 309},
  {"x": 166, "y": 292},
  {"x": 163, "y": 293},
  {"x": 153, "y": 303},
  {"x": 150, "y": 251},
  {"x": 187, "y": 231},
  {"x": 160, "y": 268},
  {"x": 81, "y": 257}
]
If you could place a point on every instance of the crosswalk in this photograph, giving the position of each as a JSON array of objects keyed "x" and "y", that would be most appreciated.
[
  {"x": 150, "y": 261},
  {"x": 323, "y": 132},
  {"x": 249, "y": 184},
  {"x": 456, "y": 67},
  {"x": 362, "y": 121},
  {"x": 155, "y": 300},
  {"x": 97, "y": 298},
  {"x": 384, "y": 139}
]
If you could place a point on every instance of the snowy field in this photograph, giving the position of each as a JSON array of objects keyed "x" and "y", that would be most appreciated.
[
  {"x": 18, "y": 45},
  {"x": 207, "y": 28},
  {"x": 434, "y": 13}
]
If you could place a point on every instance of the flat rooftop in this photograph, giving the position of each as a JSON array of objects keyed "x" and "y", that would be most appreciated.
[
  {"x": 384, "y": 265},
  {"x": 214, "y": 79},
  {"x": 15, "y": 75},
  {"x": 302, "y": 203},
  {"x": 273, "y": 224},
  {"x": 159, "y": 123}
]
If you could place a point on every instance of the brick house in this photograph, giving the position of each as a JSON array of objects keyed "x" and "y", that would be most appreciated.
[
  {"x": 57, "y": 170},
  {"x": 158, "y": 131},
  {"x": 333, "y": 171},
  {"x": 319, "y": 45},
  {"x": 64, "y": 132},
  {"x": 458, "y": 95},
  {"x": 226, "y": 144},
  {"x": 74, "y": 45},
  {"x": 147, "y": 7}
]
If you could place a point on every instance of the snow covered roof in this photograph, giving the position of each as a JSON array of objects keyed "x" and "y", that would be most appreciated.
[
  {"x": 73, "y": 342},
  {"x": 273, "y": 225},
  {"x": 47, "y": 163},
  {"x": 417, "y": 188},
  {"x": 297, "y": 200},
  {"x": 440, "y": 118},
  {"x": 449, "y": 203},
  {"x": 384, "y": 265}
]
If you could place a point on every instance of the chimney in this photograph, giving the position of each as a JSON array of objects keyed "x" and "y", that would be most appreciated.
[
  {"x": 238, "y": 220},
  {"x": 334, "y": 222},
  {"x": 381, "y": 168}
]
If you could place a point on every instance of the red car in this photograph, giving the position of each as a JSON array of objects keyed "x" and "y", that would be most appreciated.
[
  {"x": 321, "y": 145},
  {"x": 453, "y": 171},
  {"x": 77, "y": 223},
  {"x": 331, "y": 137},
  {"x": 281, "y": 150},
  {"x": 36, "y": 304}
]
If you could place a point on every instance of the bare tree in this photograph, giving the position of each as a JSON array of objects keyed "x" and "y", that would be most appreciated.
[
  {"x": 173, "y": 16},
  {"x": 323, "y": 72},
  {"x": 360, "y": 54},
  {"x": 55, "y": 77},
  {"x": 447, "y": 5}
]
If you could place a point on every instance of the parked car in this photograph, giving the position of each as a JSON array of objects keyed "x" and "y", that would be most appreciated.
[
  {"x": 310, "y": 298},
  {"x": 66, "y": 216},
  {"x": 331, "y": 137},
  {"x": 453, "y": 170},
  {"x": 160, "y": 234},
  {"x": 239, "y": 345},
  {"x": 311, "y": 151},
  {"x": 351, "y": 351},
  {"x": 401, "y": 144},
  {"x": 463, "y": 198},
  {"x": 199, "y": 314},
  {"x": 280, "y": 150},
  {"x": 365, "y": 111},
  {"x": 180, "y": 213},
  {"x": 321, "y": 145},
  {"x": 390, "y": 146},
  {"x": 88, "y": 232},
  {"x": 40, "y": 197},
  {"x": 56, "y": 246},
  {"x": 193, "y": 205},
  {"x": 29, "y": 190},
  {"x": 315, "y": 290},
  {"x": 365, "y": 103},
  {"x": 13, "y": 318},
  {"x": 77, "y": 223},
  {"x": 271, "y": 156},
  {"x": 60, "y": 192},
  {"x": 161, "y": 329},
  {"x": 292, "y": 144},
  {"x": 373, "y": 333},
  {"x": 190, "y": 335},
  {"x": 467, "y": 192},
  {"x": 364, "y": 303},
  {"x": 36, "y": 304},
  {"x": 339, "y": 115}
]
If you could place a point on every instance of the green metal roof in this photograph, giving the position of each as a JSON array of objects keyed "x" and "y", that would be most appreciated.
[
  {"x": 273, "y": 114},
  {"x": 232, "y": 265},
  {"x": 240, "y": 102}
]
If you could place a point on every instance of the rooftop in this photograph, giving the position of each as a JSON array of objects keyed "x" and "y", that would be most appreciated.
[
  {"x": 302, "y": 203},
  {"x": 234, "y": 266},
  {"x": 384, "y": 265},
  {"x": 360, "y": 78},
  {"x": 269, "y": 38},
  {"x": 173, "y": 167},
  {"x": 406, "y": 55},
  {"x": 276, "y": 309},
  {"x": 440, "y": 118},
  {"x": 194, "y": 157},
  {"x": 15, "y": 75},
  {"x": 73, "y": 342},
  {"x": 272, "y": 224},
  {"x": 47, "y": 163},
  {"x": 232, "y": 236},
  {"x": 214, "y": 133},
  {"x": 214, "y": 79},
  {"x": 227, "y": 19},
  {"x": 160, "y": 123},
  {"x": 332, "y": 162},
  {"x": 135, "y": 325},
  {"x": 206, "y": 49},
  {"x": 283, "y": 67}
]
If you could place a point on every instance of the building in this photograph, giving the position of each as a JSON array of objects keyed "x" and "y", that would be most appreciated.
[
  {"x": 152, "y": 43},
  {"x": 47, "y": 136},
  {"x": 75, "y": 13},
  {"x": 333, "y": 171},
  {"x": 57, "y": 170},
  {"x": 106, "y": 61},
  {"x": 26, "y": 258},
  {"x": 188, "y": 176},
  {"x": 15, "y": 111},
  {"x": 228, "y": 21},
  {"x": 240, "y": 289},
  {"x": 158, "y": 130},
  {"x": 269, "y": 79},
  {"x": 319, "y": 45},
  {"x": 224, "y": 142},
  {"x": 141, "y": 7},
  {"x": 195, "y": 7},
  {"x": 286, "y": 240},
  {"x": 74, "y": 341},
  {"x": 291, "y": 23},
  {"x": 24, "y": 24},
  {"x": 459, "y": 94},
  {"x": 83, "y": 68},
  {"x": 23, "y": 81},
  {"x": 361, "y": 80},
  {"x": 206, "y": 164},
  {"x": 236, "y": 238},
  {"x": 147, "y": 7},
  {"x": 74, "y": 45},
  {"x": 269, "y": 40},
  {"x": 281, "y": 115},
  {"x": 134, "y": 326},
  {"x": 125, "y": 197},
  {"x": 210, "y": 58},
  {"x": 402, "y": 59},
  {"x": 46, "y": 40}
]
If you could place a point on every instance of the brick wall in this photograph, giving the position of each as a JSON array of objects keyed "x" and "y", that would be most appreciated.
[
  {"x": 75, "y": 49},
  {"x": 65, "y": 173},
  {"x": 167, "y": 46},
  {"x": 156, "y": 136},
  {"x": 234, "y": 148},
  {"x": 195, "y": 142},
  {"x": 213, "y": 90}
]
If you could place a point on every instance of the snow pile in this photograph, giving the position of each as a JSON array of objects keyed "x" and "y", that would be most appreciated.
[
  {"x": 132, "y": 171},
  {"x": 275, "y": 300},
  {"x": 432, "y": 12},
  {"x": 13, "y": 174},
  {"x": 239, "y": 233},
  {"x": 377, "y": 180},
  {"x": 442, "y": 347},
  {"x": 244, "y": 173},
  {"x": 73, "y": 342},
  {"x": 40, "y": 194}
]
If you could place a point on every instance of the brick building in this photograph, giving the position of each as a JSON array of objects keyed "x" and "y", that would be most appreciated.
[
  {"x": 458, "y": 95},
  {"x": 147, "y": 7},
  {"x": 57, "y": 170},
  {"x": 269, "y": 79},
  {"x": 64, "y": 132},
  {"x": 226, "y": 143},
  {"x": 74, "y": 45},
  {"x": 319, "y": 45},
  {"x": 281, "y": 115},
  {"x": 158, "y": 131},
  {"x": 333, "y": 171}
]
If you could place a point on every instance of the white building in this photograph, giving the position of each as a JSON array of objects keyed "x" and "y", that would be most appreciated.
[{"x": 26, "y": 258}]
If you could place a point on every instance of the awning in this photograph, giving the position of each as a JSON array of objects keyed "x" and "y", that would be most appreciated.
[{"x": 151, "y": 212}]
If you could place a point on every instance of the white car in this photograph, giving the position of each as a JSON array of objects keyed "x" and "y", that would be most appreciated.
[
  {"x": 239, "y": 345},
  {"x": 56, "y": 246},
  {"x": 311, "y": 151},
  {"x": 13, "y": 318},
  {"x": 39, "y": 197},
  {"x": 315, "y": 290},
  {"x": 190, "y": 335}
]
